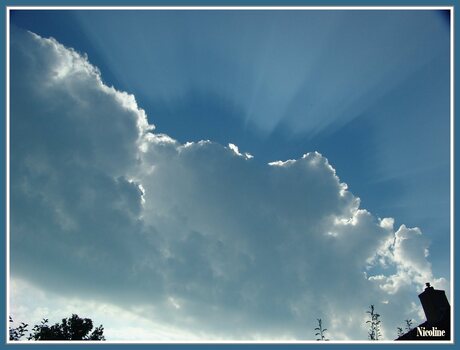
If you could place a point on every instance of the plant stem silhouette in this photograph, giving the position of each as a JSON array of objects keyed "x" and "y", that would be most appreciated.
[
  {"x": 320, "y": 334},
  {"x": 374, "y": 324},
  {"x": 408, "y": 325}
]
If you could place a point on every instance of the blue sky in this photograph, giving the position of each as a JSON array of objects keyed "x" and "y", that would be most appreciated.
[{"x": 368, "y": 90}]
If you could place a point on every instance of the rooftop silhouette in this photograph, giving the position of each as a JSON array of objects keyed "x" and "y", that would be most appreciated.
[{"x": 437, "y": 313}]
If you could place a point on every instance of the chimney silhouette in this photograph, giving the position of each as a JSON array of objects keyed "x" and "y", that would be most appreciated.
[
  {"x": 434, "y": 303},
  {"x": 437, "y": 312}
]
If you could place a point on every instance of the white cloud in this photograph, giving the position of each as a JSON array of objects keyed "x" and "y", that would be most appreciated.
[{"x": 187, "y": 236}]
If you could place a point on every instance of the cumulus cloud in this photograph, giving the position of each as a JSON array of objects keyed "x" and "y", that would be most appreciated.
[{"x": 198, "y": 237}]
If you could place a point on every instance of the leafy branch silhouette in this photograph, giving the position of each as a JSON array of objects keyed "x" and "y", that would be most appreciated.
[
  {"x": 320, "y": 334},
  {"x": 374, "y": 324}
]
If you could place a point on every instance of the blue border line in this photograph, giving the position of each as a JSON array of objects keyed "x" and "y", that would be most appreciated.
[
  {"x": 3, "y": 172},
  {"x": 228, "y": 3}
]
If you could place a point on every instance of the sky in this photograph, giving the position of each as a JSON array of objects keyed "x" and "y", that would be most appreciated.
[{"x": 229, "y": 175}]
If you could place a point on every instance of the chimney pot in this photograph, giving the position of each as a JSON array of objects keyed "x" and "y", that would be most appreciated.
[{"x": 434, "y": 303}]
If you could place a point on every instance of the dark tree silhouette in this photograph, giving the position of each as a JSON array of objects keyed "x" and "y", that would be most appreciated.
[
  {"x": 374, "y": 324},
  {"x": 18, "y": 332},
  {"x": 72, "y": 328},
  {"x": 400, "y": 331},
  {"x": 320, "y": 334}
]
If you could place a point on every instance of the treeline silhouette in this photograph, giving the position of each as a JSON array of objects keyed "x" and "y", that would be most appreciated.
[
  {"x": 76, "y": 328},
  {"x": 373, "y": 322},
  {"x": 434, "y": 303},
  {"x": 71, "y": 328}
]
